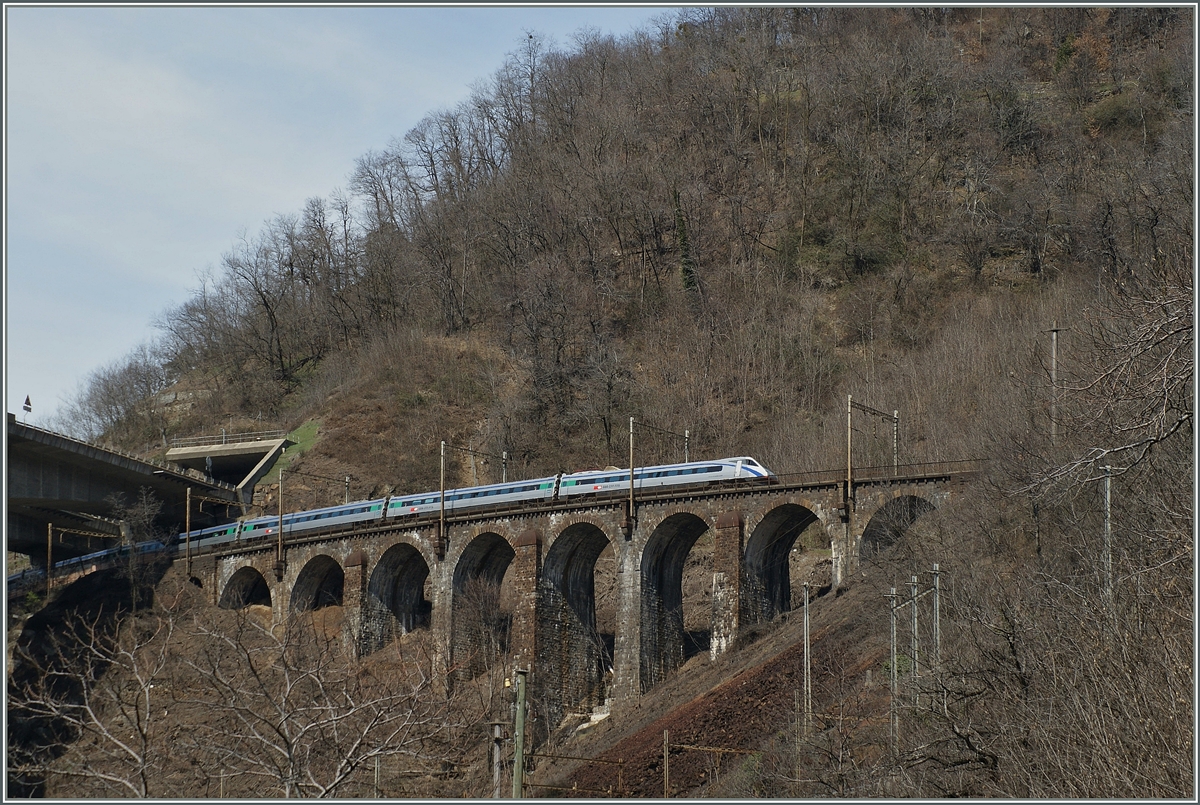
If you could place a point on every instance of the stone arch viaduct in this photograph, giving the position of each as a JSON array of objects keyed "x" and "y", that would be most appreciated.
[{"x": 395, "y": 577}]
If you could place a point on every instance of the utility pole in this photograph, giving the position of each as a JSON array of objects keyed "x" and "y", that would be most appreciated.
[
  {"x": 895, "y": 441},
  {"x": 187, "y": 535},
  {"x": 1054, "y": 331},
  {"x": 937, "y": 628},
  {"x": 893, "y": 711},
  {"x": 937, "y": 632},
  {"x": 915, "y": 672},
  {"x": 497, "y": 760},
  {"x": 519, "y": 739},
  {"x": 849, "y": 443},
  {"x": 127, "y": 538},
  {"x": 279, "y": 566},
  {"x": 49, "y": 556},
  {"x": 807, "y": 668},
  {"x": 1108, "y": 570},
  {"x": 629, "y": 519},
  {"x": 441, "y": 540}
]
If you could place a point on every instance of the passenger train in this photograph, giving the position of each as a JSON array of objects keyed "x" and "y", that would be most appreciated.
[{"x": 394, "y": 508}]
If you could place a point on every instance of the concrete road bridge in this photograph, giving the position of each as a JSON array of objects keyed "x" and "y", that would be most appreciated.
[
  {"x": 70, "y": 485},
  {"x": 395, "y": 577}
]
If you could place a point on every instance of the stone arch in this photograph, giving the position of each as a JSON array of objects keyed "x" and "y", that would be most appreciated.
[
  {"x": 395, "y": 603},
  {"x": 246, "y": 587},
  {"x": 662, "y": 629},
  {"x": 479, "y": 629},
  {"x": 889, "y": 522},
  {"x": 766, "y": 582},
  {"x": 570, "y": 650},
  {"x": 319, "y": 585}
]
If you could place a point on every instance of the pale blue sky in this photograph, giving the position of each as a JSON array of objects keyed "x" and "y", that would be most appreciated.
[{"x": 140, "y": 141}]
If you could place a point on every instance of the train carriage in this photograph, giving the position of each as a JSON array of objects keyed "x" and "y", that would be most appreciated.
[{"x": 559, "y": 487}]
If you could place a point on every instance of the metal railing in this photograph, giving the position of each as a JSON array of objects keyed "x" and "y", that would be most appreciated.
[
  {"x": 925, "y": 469},
  {"x": 885, "y": 472},
  {"x": 228, "y": 438},
  {"x": 619, "y": 791}
]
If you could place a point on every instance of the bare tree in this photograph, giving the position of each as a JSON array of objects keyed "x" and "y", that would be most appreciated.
[
  {"x": 118, "y": 402},
  {"x": 96, "y": 691},
  {"x": 292, "y": 716},
  {"x": 182, "y": 699}
]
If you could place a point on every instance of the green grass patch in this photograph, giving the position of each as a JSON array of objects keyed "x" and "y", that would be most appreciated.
[{"x": 304, "y": 437}]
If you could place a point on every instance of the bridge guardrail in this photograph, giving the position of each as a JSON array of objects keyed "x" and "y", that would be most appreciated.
[
  {"x": 228, "y": 438},
  {"x": 881, "y": 473},
  {"x": 42, "y": 434},
  {"x": 924, "y": 469},
  {"x": 811, "y": 477}
]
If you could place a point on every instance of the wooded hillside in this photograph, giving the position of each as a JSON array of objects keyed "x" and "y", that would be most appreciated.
[
  {"x": 723, "y": 225},
  {"x": 726, "y": 225}
]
